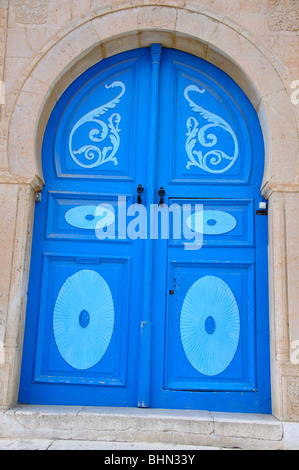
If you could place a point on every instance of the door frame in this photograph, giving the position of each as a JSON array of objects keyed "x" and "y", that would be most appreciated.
[{"x": 66, "y": 179}]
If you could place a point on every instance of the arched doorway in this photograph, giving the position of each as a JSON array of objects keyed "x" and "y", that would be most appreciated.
[{"x": 134, "y": 320}]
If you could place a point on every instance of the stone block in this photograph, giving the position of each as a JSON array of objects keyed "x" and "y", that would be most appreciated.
[
  {"x": 292, "y": 243},
  {"x": 80, "y": 7},
  {"x": 115, "y": 25},
  {"x": 23, "y": 444},
  {"x": 59, "y": 12},
  {"x": 63, "y": 55},
  {"x": 17, "y": 45},
  {"x": 30, "y": 11},
  {"x": 8, "y": 205},
  {"x": 196, "y": 25},
  {"x": 283, "y": 15},
  {"x": 127, "y": 425},
  {"x": 229, "y": 7},
  {"x": 248, "y": 58},
  {"x": 120, "y": 44},
  {"x": 250, "y": 5},
  {"x": 165, "y": 38},
  {"x": 290, "y": 396},
  {"x": 291, "y": 436},
  {"x": 157, "y": 17},
  {"x": 281, "y": 141},
  {"x": 262, "y": 427}
]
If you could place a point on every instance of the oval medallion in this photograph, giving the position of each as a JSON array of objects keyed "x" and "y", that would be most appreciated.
[
  {"x": 213, "y": 223},
  {"x": 90, "y": 217}
]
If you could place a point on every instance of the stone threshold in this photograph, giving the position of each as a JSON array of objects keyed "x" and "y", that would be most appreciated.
[{"x": 148, "y": 426}]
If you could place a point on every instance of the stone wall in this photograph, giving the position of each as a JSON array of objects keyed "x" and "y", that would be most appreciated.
[
  {"x": 45, "y": 44},
  {"x": 32, "y": 23}
]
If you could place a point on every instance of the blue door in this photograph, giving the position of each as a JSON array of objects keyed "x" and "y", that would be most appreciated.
[
  {"x": 84, "y": 301},
  {"x": 212, "y": 331},
  {"x": 115, "y": 317}
]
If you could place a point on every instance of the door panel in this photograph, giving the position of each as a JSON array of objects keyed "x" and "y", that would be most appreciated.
[
  {"x": 97, "y": 134},
  {"x": 226, "y": 222},
  {"x": 208, "y": 138},
  {"x": 90, "y": 346},
  {"x": 210, "y": 318},
  {"x": 210, "y": 327},
  {"x": 75, "y": 216}
]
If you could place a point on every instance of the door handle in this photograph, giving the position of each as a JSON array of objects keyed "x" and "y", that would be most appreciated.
[
  {"x": 162, "y": 193},
  {"x": 140, "y": 190}
]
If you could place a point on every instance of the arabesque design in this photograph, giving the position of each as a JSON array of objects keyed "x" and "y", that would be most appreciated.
[
  {"x": 93, "y": 155},
  {"x": 216, "y": 157}
]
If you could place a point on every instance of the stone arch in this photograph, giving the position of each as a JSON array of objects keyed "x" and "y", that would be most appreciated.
[{"x": 206, "y": 34}]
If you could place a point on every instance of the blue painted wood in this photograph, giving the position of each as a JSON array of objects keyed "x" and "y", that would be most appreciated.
[
  {"x": 240, "y": 213},
  {"x": 145, "y": 337},
  {"x": 210, "y": 152},
  {"x": 91, "y": 151},
  {"x": 156, "y": 118}
]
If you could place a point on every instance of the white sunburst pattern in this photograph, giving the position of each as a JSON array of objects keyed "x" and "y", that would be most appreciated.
[
  {"x": 83, "y": 346},
  {"x": 210, "y": 302}
]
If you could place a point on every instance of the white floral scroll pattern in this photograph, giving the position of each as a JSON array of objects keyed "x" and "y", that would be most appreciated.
[
  {"x": 211, "y": 159},
  {"x": 92, "y": 154}
]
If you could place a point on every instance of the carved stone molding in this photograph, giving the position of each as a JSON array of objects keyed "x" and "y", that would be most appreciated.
[
  {"x": 34, "y": 181},
  {"x": 31, "y": 11},
  {"x": 269, "y": 188},
  {"x": 291, "y": 397},
  {"x": 283, "y": 15}
]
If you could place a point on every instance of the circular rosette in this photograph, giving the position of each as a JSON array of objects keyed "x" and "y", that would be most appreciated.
[
  {"x": 212, "y": 223},
  {"x": 83, "y": 319},
  {"x": 210, "y": 325},
  {"x": 90, "y": 217}
]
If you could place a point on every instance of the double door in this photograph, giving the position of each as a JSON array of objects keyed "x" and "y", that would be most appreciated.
[{"x": 148, "y": 282}]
